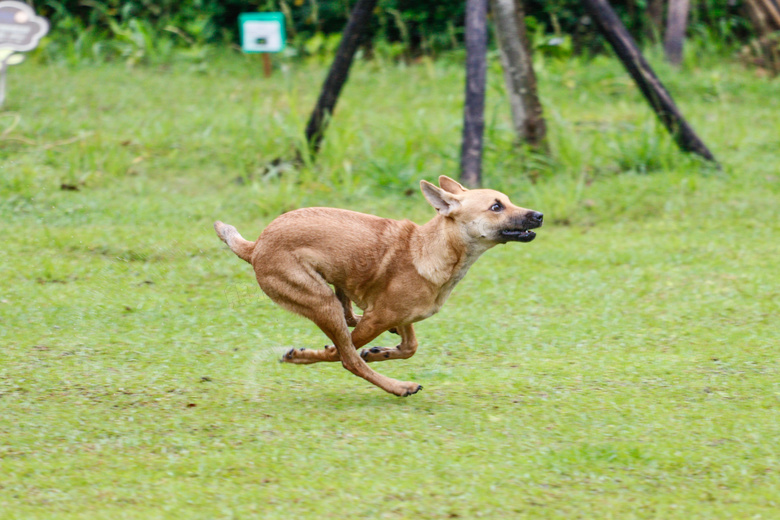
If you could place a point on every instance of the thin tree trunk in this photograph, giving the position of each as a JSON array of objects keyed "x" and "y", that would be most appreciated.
[
  {"x": 474, "y": 105},
  {"x": 765, "y": 15},
  {"x": 655, "y": 16},
  {"x": 772, "y": 8},
  {"x": 339, "y": 72},
  {"x": 676, "y": 23},
  {"x": 519, "y": 73},
  {"x": 652, "y": 88}
]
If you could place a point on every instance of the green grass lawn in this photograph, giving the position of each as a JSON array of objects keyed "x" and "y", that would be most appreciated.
[{"x": 623, "y": 365}]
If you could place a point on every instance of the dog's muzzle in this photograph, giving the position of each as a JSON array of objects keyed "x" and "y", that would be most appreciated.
[{"x": 523, "y": 232}]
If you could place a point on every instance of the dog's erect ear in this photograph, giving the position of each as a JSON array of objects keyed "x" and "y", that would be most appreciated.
[
  {"x": 443, "y": 201},
  {"x": 450, "y": 185}
]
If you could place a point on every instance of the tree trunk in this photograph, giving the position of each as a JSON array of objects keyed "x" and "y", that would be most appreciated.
[
  {"x": 655, "y": 17},
  {"x": 651, "y": 87},
  {"x": 474, "y": 105},
  {"x": 765, "y": 17},
  {"x": 519, "y": 73},
  {"x": 676, "y": 23},
  {"x": 339, "y": 71}
]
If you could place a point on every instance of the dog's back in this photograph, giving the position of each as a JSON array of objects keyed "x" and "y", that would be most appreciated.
[{"x": 345, "y": 247}]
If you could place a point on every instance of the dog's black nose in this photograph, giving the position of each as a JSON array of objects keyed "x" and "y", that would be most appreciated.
[{"x": 537, "y": 217}]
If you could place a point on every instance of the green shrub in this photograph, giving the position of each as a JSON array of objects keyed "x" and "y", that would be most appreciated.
[{"x": 148, "y": 31}]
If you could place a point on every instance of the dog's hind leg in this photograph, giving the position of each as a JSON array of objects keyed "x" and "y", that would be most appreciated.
[
  {"x": 309, "y": 295},
  {"x": 407, "y": 348},
  {"x": 404, "y": 350},
  {"x": 304, "y": 356}
]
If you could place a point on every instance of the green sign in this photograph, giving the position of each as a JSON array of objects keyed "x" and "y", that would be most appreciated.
[{"x": 262, "y": 32}]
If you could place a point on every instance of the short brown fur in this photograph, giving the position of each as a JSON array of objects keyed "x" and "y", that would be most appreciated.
[{"x": 396, "y": 271}]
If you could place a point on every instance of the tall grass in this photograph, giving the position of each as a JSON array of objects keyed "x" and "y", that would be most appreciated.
[{"x": 387, "y": 132}]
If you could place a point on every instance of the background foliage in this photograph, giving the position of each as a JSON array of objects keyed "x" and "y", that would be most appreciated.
[{"x": 149, "y": 30}]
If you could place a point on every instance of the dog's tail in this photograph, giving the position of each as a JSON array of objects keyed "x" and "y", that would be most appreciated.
[{"x": 229, "y": 235}]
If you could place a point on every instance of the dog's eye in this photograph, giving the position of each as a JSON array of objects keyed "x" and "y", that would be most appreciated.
[{"x": 497, "y": 207}]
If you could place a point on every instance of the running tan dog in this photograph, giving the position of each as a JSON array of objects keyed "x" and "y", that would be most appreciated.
[{"x": 396, "y": 271}]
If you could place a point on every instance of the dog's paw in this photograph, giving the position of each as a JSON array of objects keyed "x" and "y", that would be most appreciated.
[
  {"x": 412, "y": 388},
  {"x": 288, "y": 356},
  {"x": 379, "y": 354},
  {"x": 303, "y": 356},
  {"x": 292, "y": 355}
]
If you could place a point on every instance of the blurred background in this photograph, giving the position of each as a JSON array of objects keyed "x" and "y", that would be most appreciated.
[
  {"x": 624, "y": 364},
  {"x": 153, "y": 31}
]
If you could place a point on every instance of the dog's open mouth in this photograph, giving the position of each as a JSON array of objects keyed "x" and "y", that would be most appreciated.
[{"x": 518, "y": 235}]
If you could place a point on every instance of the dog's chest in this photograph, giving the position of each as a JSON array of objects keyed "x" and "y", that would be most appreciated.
[
  {"x": 440, "y": 298},
  {"x": 440, "y": 271},
  {"x": 446, "y": 289}
]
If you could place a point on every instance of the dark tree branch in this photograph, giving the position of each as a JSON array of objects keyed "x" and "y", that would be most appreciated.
[
  {"x": 652, "y": 88},
  {"x": 339, "y": 71}
]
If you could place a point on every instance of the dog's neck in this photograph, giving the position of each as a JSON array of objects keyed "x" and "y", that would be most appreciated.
[{"x": 443, "y": 254}]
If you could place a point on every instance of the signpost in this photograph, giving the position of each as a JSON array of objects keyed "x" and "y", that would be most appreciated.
[
  {"x": 262, "y": 33},
  {"x": 20, "y": 30}
]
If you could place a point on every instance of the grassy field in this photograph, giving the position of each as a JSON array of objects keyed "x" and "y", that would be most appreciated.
[{"x": 623, "y": 365}]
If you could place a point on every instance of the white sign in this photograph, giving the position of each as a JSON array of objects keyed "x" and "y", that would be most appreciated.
[
  {"x": 262, "y": 37},
  {"x": 20, "y": 30},
  {"x": 262, "y": 32}
]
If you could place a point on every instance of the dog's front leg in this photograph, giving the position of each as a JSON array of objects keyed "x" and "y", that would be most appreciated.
[
  {"x": 346, "y": 348},
  {"x": 349, "y": 315},
  {"x": 371, "y": 326},
  {"x": 346, "y": 303},
  {"x": 405, "y": 350}
]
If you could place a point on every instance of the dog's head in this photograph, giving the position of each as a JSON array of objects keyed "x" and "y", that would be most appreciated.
[{"x": 483, "y": 215}]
